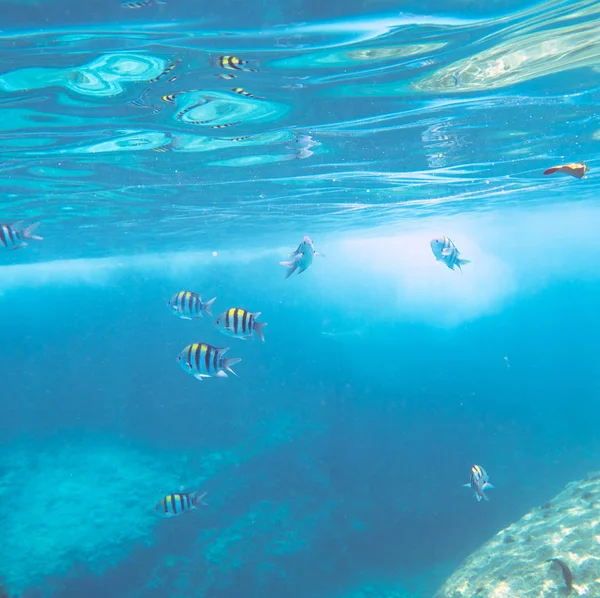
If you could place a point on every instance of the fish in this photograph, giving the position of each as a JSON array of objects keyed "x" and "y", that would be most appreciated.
[
  {"x": 576, "y": 169},
  {"x": 226, "y": 77},
  {"x": 479, "y": 481},
  {"x": 240, "y": 323},
  {"x": 236, "y": 139},
  {"x": 140, "y": 3},
  {"x": 205, "y": 361},
  {"x": 234, "y": 63},
  {"x": 242, "y": 92},
  {"x": 166, "y": 71},
  {"x": 188, "y": 305},
  {"x": 176, "y": 504},
  {"x": 224, "y": 125},
  {"x": 566, "y": 572},
  {"x": 169, "y": 98},
  {"x": 445, "y": 251},
  {"x": 12, "y": 236},
  {"x": 302, "y": 145},
  {"x": 302, "y": 257}
]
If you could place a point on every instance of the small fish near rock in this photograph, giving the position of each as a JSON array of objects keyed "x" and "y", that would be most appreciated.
[
  {"x": 478, "y": 482},
  {"x": 302, "y": 257},
  {"x": 575, "y": 169},
  {"x": 445, "y": 251}
]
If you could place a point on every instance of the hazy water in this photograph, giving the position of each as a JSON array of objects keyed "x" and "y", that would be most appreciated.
[{"x": 336, "y": 461}]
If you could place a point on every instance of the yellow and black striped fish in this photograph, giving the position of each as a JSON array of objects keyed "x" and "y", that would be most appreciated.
[
  {"x": 225, "y": 125},
  {"x": 140, "y": 3},
  {"x": 188, "y": 305},
  {"x": 176, "y": 504},
  {"x": 169, "y": 98},
  {"x": 233, "y": 63},
  {"x": 167, "y": 70},
  {"x": 242, "y": 92},
  {"x": 240, "y": 323},
  {"x": 205, "y": 361},
  {"x": 242, "y": 138}
]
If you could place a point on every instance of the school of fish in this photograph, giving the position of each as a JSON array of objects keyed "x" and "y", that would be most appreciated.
[{"x": 201, "y": 359}]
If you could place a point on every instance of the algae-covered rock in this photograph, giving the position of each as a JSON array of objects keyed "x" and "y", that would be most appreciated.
[{"x": 552, "y": 551}]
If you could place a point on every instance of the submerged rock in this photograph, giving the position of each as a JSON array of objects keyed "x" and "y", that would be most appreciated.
[{"x": 552, "y": 551}]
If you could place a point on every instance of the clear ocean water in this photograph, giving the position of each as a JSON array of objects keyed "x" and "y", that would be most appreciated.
[{"x": 334, "y": 464}]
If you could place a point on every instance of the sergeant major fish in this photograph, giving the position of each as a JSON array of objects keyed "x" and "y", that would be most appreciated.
[
  {"x": 240, "y": 323},
  {"x": 205, "y": 361},
  {"x": 176, "y": 504},
  {"x": 233, "y": 63},
  {"x": 140, "y": 3},
  {"x": 479, "y": 482},
  {"x": 445, "y": 251},
  {"x": 12, "y": 236},
  {"x": 188, "y": 305},
  {"x": 302, "y": 257}
]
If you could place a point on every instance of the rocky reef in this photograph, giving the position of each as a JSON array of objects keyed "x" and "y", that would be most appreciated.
[{"x": 552, "y": 551}]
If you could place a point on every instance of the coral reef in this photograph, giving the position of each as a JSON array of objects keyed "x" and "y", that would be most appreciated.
[{"x": 552, "y": 551}]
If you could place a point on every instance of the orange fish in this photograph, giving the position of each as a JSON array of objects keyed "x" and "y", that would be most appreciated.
[{"x": 576, "y": 169}]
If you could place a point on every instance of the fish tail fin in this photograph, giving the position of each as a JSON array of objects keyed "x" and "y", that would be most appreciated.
[
  {"x": 227, "y": 363},
  {"x": 208, "y": 305},
  {"x": 259, "y": 329},
  {"x": 198, "y": 499},
  {"x": 291, "y": 268},
  {"x": 552, "y": 170},
  {"x": 485, "y": 497},
  {"x": 460, "y": 263},
  {"x": 27, "y": 233}
]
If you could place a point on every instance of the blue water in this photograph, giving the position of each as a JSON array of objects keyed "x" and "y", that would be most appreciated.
[{"x": 334, "y": 465}]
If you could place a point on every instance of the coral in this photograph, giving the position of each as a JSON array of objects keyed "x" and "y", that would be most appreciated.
[{"x": 553, "y": 547}]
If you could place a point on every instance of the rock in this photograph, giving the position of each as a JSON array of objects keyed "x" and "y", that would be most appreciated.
[{"x": 538, "y": 555}]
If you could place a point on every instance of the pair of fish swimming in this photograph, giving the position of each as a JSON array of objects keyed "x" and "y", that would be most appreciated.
[{"x": 179, "y": 503}]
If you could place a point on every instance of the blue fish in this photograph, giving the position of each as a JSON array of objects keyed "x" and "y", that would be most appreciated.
[
  {"x": 478, "y": 482},
  {"x": 302, "y": 257},
  {"x": 445, "y": 251}
]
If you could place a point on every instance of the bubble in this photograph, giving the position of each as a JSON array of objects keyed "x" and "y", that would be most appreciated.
[{"x": 214, "y": 254}]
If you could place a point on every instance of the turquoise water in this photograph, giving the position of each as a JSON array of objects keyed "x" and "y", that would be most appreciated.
[{"x": 334, "y": 464}]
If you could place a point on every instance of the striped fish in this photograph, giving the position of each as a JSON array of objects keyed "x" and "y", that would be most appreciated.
[
  {"x": 166, "y": 71},
  {"x": 302, "y": 257},
  {"x": 205, "y": 361},
  {"x": 242, "y": 92},
  {"x": 478, "y": 482},
  {"x": 233, "y": 63},
  {"x": 188, "y": 305},
  {"x": 445, "y": 251},
  {"x": 176, "y": 504},
  {"x": 226, "y": 77},
  {"x": 12, "y": 236},
  {"x": 240, "y": 323},
  {"x": 140, "y": 3}
]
